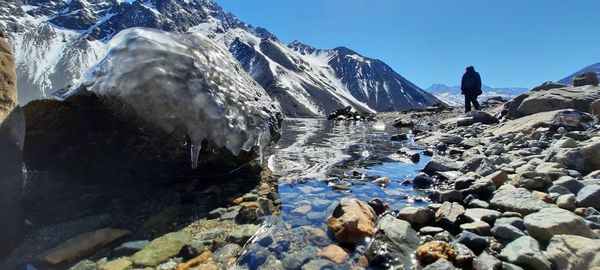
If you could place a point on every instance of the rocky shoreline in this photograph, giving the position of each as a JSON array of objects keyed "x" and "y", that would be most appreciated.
[{"x": 516, "y": 190}]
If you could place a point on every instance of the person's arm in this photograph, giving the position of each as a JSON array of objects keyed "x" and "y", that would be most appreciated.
[
  {"x": 478, "y": 82},
  {"x": 462, "y": 84}
]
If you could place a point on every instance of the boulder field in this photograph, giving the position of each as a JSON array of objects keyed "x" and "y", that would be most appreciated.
[{"x": 515, "y": 186}]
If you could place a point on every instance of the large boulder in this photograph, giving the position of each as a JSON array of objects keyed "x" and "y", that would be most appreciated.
[
  {"x": 571, "y": 120},
  {"x": 12, "y": 133},
  {"x": 352, "y": 221},
  {"x": 393, "y": 244},
  {"x": 161, "y": 249},
  {"x": 578, "y": 98},
  {"x": 552, "y": 221},
  {"x": 589, "y": 196},
  {"x": 136, "y": 113},
  {"x": 573, "y": 252},
  {"x": 588, "y": 78},
  {"x": 583, "y": 159}
]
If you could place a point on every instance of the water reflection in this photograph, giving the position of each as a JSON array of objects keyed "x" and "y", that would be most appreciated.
[{"x": 316, "y": 159}]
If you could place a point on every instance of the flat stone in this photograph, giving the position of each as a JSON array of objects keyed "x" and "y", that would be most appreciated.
[
  {"x": 430, "y": 230},
  {"x": 334, "y": 253},
  {"x": 477, "y": 227},
  {"x": 225, "y": 253},
  {"x": 552, "y": 221},
  {"x": 525, "y": 252},
  {"x": 161, "y": 249},
  {"x": 506, "y": 232},
  {"x": 82, "y": 245},
  {"x": 573, "y": 185},
  {"x": 481, "y": 214},
  {"x": 531, "y": 180},
  {"x": 509, "y": 198}
]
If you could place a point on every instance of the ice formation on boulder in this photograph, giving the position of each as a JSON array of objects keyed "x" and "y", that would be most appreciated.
[{"x": 186, "y": 82}]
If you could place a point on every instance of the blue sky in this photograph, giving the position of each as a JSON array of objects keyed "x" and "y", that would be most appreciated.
[{"x": 510, "y": 42}]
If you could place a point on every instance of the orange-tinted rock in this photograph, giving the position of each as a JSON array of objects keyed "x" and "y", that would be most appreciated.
[
  {"x": 434, "y": 250},
  {"x": 335, "y": 253},
  {"x": 352, "y": 221},
  {"x": 82, "y": 245}
]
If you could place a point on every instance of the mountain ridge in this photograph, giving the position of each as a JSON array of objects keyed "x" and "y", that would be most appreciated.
[{"x": 56, "y": 41}]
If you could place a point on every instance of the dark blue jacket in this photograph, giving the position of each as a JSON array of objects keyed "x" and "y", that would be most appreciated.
[{"x": 471, "y": 82}]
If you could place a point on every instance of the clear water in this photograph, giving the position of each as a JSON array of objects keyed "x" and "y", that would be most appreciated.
[{"x": 316, "y": 159}]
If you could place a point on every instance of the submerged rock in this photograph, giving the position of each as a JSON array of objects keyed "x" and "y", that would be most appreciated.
[
  {"x": 352, "y": 221},
  {"x": 393, "y": 243},
  {"x": 161, "y": 249},
  {"x": 82, "y": 245}
]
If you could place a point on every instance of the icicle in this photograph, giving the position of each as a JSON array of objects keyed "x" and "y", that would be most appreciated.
[{"x": 195, "y": 151}]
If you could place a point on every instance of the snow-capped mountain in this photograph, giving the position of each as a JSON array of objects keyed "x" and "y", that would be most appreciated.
[
  {"x": 56, "y": 41},
  {"x": 591, "y": 68},
  {"x": 451, "y": 94}
]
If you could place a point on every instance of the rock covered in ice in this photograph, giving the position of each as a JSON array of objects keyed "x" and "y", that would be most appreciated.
[{"x": 189, "y": 83}]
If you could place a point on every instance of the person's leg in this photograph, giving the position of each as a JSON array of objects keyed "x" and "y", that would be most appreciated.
[
  {"x": 467, "y": 103},
  {"x": 475, "y": 102}
]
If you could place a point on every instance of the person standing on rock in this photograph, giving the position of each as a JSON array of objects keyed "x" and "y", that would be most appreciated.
[{"x": 470, "y": 87}]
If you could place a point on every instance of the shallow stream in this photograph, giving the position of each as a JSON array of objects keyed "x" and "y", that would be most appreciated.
[{"x": 321, "y": 162}]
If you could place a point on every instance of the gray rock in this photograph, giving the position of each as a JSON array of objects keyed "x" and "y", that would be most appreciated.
[
  {"x": 559, "y": 190},
  {"x": 518, "y": 222},
  {"x": 573, "y": 185},
  {"x": 510, "y": 266},
  {"x": 417, "y": 217},
  {"x": 573, "y": 252},
  {"x": 295, "y": 260},
  {"x": 525, "y": 252},
  {"x": 477, "y": 227},
  {"x": 473, "y": 241},
  {"x": 440, "y": 264},
  {"x": 440, "y": 164},
  {"x": 129, "y": 248},
  {"x": 566, "y": 202},
  {"x": 589, "y": 196},
  {"x": 393, "y": 244},
  {"x": 583, "y": 159},
  {"x": 485, "y": 261},
  {"x": 551, "y": 221},
  {"x": 430, "y": 230},
  {"x": 588, "y": 78},
  {"x": 482, "y": 187},
  {"x": 223, "y": 254},
  {"x": 447, "y": 196},
  {"x": 449, "y": 214},
  {"x": 216, "y": 213},
  {"x": 481, "y": 214},
  {"x": 242, "y": 233},
  {"x": 476, "y": 203},
  {"x": 480, "y": 165},
  {"x": 509, "y": 198},
  {"x": 506, "y": 232}
]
